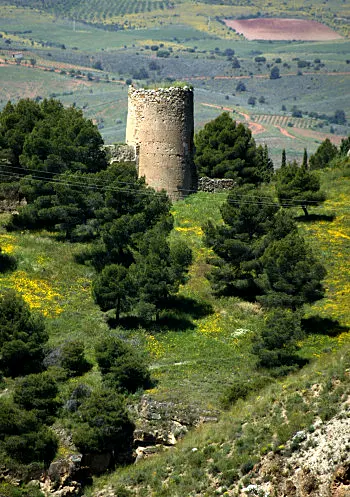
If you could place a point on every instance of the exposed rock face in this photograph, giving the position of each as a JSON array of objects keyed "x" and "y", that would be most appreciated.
[
  {"x": 63, "y": 477},
  {"x": 162, "y": 424},
  {"x": 313, "y": 464},
  {"x": 160, "y": 129}
]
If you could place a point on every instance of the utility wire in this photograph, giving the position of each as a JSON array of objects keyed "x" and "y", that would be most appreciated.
[{"x": 103, "y": 185}]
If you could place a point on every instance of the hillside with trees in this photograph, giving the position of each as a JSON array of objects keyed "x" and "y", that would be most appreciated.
[{"x": 126, "y": 320}]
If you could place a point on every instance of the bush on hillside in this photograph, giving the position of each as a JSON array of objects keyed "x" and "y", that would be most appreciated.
[
  {"x": 277, "y": 347},
  {"x": 297, "y": 186},
  {"x": 73, "y": 359},
  {"x": 22, "y": 336},
  {"x": 22, "y": 436},
  {"x": 103, "y": 425},
  {"x": 121, "y": 367},
  {"x": 7, "y": 262},
  {"x": 323, "y": 155},
  {"x": 37, "y": 393}
]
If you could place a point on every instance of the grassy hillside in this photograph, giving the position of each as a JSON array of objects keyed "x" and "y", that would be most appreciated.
[
  {"x": 199, "y": 350},
  {"x": 211, "y": 460}
]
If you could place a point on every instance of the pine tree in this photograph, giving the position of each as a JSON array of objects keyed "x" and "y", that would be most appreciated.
[
  {"x": 305, "y": 159},
  {"x": 225, "y": 149},
  {"x": 284, "y": 158},
  {"x": 296, "y": 185}
]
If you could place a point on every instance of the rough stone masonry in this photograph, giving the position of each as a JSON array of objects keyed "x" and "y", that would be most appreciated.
[{"x": 160, "y": 129}]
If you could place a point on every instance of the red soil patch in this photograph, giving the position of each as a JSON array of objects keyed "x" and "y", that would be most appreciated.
[
  {"x": 318, "y": 135},
  {"x": 284, "y": 131},
  {"x": 256, "y": 128},
  {"x": 282, "y": 29}
]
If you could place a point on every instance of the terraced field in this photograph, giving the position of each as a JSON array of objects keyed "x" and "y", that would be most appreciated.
[{"x": 276, "y": 120}]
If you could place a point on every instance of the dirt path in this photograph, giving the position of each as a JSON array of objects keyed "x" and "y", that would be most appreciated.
[
  {"x": 256, "y": 128},
  {"x": 284, "y": 131}
]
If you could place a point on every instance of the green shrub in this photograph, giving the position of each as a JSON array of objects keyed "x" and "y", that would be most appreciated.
[
  {"x": 10, "y": 490},
  {"x": 22, "y": 437},
  {"x": 241, "y": 388},
  {"x": 7, "y": 262},
  {"x": 103, "y": 424},
  {"x": 73, "y": 359},
  {"x": 121, "y": 367},
  {"x": 22, "y": 336},
  {"x": 33, "y": 446},
  {"x": 37, "y": 392},
  {"x": 277, "y": 346}
]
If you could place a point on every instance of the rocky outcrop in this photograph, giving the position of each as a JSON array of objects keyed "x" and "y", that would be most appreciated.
[
  {"x": 315, "y": 463},
  {"x": 64, "y": 477},
  {"x": 159, "y": 425}
]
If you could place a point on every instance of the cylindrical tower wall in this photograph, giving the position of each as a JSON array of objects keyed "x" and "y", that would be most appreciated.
[{"x": 160, "y": 127}]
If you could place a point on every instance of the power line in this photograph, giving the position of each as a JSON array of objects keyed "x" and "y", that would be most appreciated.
[{"x": 104, "y": 186}]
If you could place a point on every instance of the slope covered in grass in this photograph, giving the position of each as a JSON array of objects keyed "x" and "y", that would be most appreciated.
[
  {"x": 201, "y": 347},
  {"x": 214, "y": 458}
]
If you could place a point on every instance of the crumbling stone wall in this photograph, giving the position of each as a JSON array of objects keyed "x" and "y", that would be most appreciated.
[
  {"x": 160, "y": 128},
  {"x": 213, "y": 185},
  {"x": 120, "y": 152}
]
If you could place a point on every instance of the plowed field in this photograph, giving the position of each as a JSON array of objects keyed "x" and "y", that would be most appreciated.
[{"x": 282, "y": 29}]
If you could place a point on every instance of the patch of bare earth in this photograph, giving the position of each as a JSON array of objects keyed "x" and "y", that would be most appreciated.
[
  {"x": 308, "y": 133},
  {"x": 282, "y": 29}
]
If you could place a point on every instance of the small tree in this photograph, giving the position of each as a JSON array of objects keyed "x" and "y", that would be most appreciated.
[
  {"x": 225, "y": 149},
  {"x": 73, "y": 359},
  {"x": 284, "y": 158},
  {"x": 241, "y": 86},
  {"x": 339, "y": 117},
  {"x": 323, "y": 155},
  {"x": 37, "y": 392},
  {"x": 22, "y": 336},
  {"x": 297, "y": 186},
  {"x": 248, "y": 216},
  {"x": 276, "y": 347},
  {"x": 7, "y": 262},
  {"x": 265, "y": 163},
  {"x": 275, "y": 73},
  {"x": 305, "y": 159},
  {"x": 121, "y": 367},
  {"x": 103, "y": 425},
  {"x": 345, "y": 146},
  {"x": 291, "y": 275},
  {"x": 112, "y": 289}
]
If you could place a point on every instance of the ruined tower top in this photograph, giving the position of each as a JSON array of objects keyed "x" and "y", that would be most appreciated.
[{"x": 160, "y": 128}]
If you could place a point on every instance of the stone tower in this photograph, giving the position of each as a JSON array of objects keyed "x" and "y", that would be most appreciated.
[{"x": 160, "y": 128}]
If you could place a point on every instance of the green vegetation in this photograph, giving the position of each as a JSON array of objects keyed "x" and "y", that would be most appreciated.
[
  {"x": 102, "y": 424},
  {"x": 121, "y": 367},
  {"x": 22, "y": 336},
  {"x": 225, "y": 149},
  {"x": 296, "y": 185},
  {"x": 323, "y": 155},
  {"x": 148, "y": 271}
]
